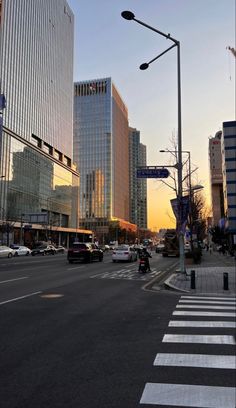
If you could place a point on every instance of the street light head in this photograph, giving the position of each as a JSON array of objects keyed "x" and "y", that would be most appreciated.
[
  {"x": 162, "y": 151},
  {"x": 127, "y": 15},
  {"x": 197, "y": 187},
  {"x": 144, "y": 66}
]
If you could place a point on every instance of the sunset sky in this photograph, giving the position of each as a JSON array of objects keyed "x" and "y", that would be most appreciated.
[{"x": 106, "y": 45}]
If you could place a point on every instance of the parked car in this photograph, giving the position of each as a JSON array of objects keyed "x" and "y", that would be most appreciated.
[
  {"x": 86, "y": 252},
  {"x": 21, "y": 250},
  {"x": 60, "y": 249},
  {"x": 124, "y": 253},
  {"x": 6, "y": 251},
  {"x": 44, "y": 250}
]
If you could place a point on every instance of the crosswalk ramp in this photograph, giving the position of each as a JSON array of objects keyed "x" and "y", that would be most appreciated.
[{"x": 212, "y": 343}]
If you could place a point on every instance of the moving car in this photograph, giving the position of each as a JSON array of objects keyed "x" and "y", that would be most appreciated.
[
  {"x": 6, "y": 252},
  {"x": 86, "y": 252},
  {"x": 21, "y": 250},
  {"x": 160, "y": 247},
  {"x": 44, "y": 250},
  {"x": 124, "y": 253},
  {"x": 187, "y": 247}
]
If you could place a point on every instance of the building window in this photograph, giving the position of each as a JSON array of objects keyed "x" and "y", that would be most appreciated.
[{"x": 36, "y": 141}]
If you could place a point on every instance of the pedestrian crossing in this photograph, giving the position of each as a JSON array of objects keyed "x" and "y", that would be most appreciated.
[
  {"x": 128, "y": 273},
  {"x": 219, "y": 355}
]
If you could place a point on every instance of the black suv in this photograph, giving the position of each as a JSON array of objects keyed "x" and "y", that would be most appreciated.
[{"x": 86, "y": 252}]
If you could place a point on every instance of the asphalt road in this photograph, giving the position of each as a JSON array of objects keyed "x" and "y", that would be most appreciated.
[{"x": 87, "y": 335}]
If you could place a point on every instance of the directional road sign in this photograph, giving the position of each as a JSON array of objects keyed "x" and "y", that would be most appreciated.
[{"x": 152, "y": 172}]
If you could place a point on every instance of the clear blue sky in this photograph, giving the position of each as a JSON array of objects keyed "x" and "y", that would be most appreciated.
[{"x": 107, "y": 45}]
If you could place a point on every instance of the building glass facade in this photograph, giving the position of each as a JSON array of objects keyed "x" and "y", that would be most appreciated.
[
  {"x": 216, "y": 178},
  {"x": 138, "y": 187},
  {"x": 229, "y": 175},
  {"x": 36, "y": 141},
  {"x": 101, "y": 151},
  {"x": 36, "y": 70}
]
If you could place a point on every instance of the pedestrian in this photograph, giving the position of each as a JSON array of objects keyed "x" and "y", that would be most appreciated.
[{"x": 210, "y": 249}]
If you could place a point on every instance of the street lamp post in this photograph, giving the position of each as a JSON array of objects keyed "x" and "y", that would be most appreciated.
[{"x": 128, "y": 15}]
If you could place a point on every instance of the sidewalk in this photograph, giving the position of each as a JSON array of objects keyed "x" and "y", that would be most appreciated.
[{"x": 209, "y": 276}]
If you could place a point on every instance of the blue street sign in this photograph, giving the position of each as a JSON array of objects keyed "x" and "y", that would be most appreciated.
[{"x": 147, "y": 172}]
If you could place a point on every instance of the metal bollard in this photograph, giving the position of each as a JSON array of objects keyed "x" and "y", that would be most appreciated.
[
  {"x": 193, "y": 280},
  {"x": 226, "y": 280}
]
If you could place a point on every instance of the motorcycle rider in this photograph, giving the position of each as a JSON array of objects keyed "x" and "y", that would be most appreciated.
[{"x": 146, "y": 255}]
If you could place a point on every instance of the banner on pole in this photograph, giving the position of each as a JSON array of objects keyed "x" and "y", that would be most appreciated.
[{"x": 181, "y": 211}]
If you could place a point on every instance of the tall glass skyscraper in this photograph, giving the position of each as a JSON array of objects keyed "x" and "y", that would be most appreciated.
[
  {"x": 101, "y": 151},
  {"x": 36, "y": 142},
  {"x": 36, "y": 70},
  {"x": 138, "y": 186}
]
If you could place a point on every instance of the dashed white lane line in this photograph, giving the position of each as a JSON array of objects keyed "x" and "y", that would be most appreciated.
[
  {"x": 200, "y": 313},
  {"x": 195, "y": 360},
  {"x": 12, "y": 280},
  {"x": 198, "y": 323},
  {"x": 196, "y": 338},
  {"x": 200, "y": 396},
  {"x": 205, "y": 307},
  {"x": 75, "y": 267},
  {"x": 19, "y": 298}
]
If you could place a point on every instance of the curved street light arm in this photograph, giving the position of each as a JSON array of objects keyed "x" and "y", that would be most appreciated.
[
  {"x": 167, "y": 36},
  {"x": 160, "y": 55}
]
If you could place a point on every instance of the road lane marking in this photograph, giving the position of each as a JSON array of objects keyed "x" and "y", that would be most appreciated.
[
  {"x": 12, "y": 280},
  {"x": 195, "y": 360},
  {"x": 208, "y": 297},
  {"x": 76, "y": 267},
  {"x": 205, "y": 307},
  {"x": 197, "y": 323},
  {"x": 196, "y": 338},
  {"x": 208, "y": 302},
  {"x": 192, "y": 313},
  {"x": 200, "y": 396},
  {"x": 19, "y": 298}
]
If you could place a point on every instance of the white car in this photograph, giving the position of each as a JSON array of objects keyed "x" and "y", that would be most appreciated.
[
  {"x": 6, "y": 252},
  {"x": 21, "y": 250},
  {"x": 187, "y": 247},
  {"x": 124, "y": 253}
]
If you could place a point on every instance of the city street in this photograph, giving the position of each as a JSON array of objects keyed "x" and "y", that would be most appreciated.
[{"x": 87, "y": 335}]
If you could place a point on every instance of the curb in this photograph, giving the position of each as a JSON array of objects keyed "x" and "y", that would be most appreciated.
[
  {"x": 169, "y": 285},
  {"x": 158, "y": 280}
]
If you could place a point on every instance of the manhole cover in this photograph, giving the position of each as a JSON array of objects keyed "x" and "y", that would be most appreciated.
[{"x": 52, "y": 295}]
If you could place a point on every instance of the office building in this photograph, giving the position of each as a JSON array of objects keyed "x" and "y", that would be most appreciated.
[
  {"x": 138, "y": 186},
  {"x": 101, "y": 152},
  {"x": 36, "y": 140},
  {"x": 216, "y": 178}
]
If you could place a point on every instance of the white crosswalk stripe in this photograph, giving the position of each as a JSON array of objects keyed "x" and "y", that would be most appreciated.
[
  {"x": 195, "y": 338},
  {"x": 195, "y": 360},
  {"x": 128, "y": 273},
  {"x": 191, "y": 395},
  {"x": 208, "y": 297},
  {"x": 188, "y": 395},
  {"x": 205, "y": 307},
  {"x": 200, "y": 313},
  {"x": 198, "y": 323},
  {"x": 208, "y": 302}
]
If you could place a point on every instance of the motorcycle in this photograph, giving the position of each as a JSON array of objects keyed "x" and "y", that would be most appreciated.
[{"x": 142, "y": 265}]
